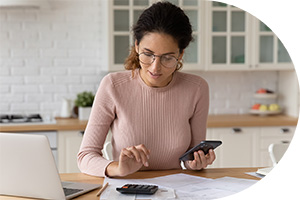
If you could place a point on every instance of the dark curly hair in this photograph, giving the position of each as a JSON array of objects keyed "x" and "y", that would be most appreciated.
[{"x": 161, "y": 17}]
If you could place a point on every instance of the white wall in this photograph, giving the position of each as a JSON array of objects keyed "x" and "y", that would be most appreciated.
[
  {"x": 289, "y": 92},
  {"x": 46, "y": 55}
]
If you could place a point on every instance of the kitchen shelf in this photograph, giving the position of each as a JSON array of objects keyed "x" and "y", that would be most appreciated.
[{"x": 265, "y": 95}]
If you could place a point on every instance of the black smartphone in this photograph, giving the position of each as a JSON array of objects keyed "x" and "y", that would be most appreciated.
[{"x": 205, "y": 146}]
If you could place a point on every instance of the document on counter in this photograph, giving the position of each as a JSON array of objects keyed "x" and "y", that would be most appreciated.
[
  {"x": 111, "y": 193},
  {"x": 180, "y": 186}
]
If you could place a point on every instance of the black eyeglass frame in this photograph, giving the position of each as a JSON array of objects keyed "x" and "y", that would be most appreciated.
[{"x": 154, "y": 57}]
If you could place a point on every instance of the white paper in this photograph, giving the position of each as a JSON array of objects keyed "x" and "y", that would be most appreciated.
[
  {"x": 115, "y": 195},
  {"x": 231, "y": 184},
  {"x": 183, "y": 186},
  {"x": 255, "y": 174}
]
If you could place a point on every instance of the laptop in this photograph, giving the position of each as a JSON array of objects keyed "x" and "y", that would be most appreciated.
[{"x": 28, "y": 169}]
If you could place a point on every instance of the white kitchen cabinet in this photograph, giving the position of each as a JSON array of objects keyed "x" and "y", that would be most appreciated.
[
  {"x": 238, "y": 148},
  {"x": 228, "y": 35},
  {"x": 225, "y": 37},
  {"x": 123, "y": 14},
  {"x": 239, "y": 41},
  {"x": 269, "y": 135},
  {"x": 247, "y": 146},
  {"x": 68, "y": 146},
  {"x": 269, "y": 52}
]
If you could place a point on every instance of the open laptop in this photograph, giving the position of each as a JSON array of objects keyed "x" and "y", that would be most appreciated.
[{"x": 27, "y": 169}]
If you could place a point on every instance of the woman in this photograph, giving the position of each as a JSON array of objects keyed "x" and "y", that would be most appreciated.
[{"x": 155, "y": 113}]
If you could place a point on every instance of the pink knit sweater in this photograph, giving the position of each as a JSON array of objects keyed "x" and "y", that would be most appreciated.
[{"x": 167, "y": 120}]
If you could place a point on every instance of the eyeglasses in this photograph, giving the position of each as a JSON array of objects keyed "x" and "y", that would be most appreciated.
[{"x": 166, "y": 60}]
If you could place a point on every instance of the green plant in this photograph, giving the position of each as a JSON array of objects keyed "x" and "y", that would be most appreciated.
[{"x": 85, "y": 99}]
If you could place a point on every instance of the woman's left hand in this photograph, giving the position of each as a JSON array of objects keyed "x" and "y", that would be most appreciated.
[{"x": 200, "y": 160}]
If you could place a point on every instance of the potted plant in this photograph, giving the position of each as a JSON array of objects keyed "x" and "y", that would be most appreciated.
[{"x": 84, "y": 102}]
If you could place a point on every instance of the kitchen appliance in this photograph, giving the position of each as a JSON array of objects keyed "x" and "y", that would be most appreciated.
[
  {"x": 66, "y": 109},
  {"x": 30, "y": 119},
  {"x": 16, "y": 118}
]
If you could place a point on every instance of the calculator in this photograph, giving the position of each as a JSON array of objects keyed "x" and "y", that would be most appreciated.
[{"x": 137, "y": 189}]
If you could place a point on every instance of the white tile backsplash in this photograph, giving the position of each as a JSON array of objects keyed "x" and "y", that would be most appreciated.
[
  {"x": 48, "y": 55},
  {"x": 232, "y": 92}
]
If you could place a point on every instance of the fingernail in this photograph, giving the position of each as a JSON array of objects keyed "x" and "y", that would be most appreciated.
[{"x": 146, "y": 164}]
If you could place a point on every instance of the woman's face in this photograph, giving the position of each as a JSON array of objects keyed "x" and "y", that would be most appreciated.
[{"x": 155, "y": 74}]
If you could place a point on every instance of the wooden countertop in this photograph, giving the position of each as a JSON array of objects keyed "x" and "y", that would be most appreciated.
[
  {"x": 62, "y": 124},
  {"x": 214, "y": 121},
  {"x": 250, "y": 120}
]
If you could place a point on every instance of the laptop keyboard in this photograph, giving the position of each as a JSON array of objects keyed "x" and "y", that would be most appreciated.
[{"x": 70, "y": 191}]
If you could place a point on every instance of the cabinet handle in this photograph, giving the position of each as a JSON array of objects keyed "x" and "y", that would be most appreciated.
[
  {"x": 285, "y": 141},
  {"x": 285, "y": 130},
  {"x": 236, "y": 130}
]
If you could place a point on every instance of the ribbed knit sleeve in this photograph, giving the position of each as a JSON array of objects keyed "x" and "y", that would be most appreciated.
[
  {"x": 167, "y": 120},
  {"x": 90, "y": 160}
]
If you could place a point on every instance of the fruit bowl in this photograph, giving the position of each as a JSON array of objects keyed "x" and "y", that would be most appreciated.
[
  {"x": 266, "y": 112},
  {"x": 265, "y": 95}
]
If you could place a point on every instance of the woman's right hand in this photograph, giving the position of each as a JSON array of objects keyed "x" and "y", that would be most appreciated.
[{"x": 131, "y": 159}]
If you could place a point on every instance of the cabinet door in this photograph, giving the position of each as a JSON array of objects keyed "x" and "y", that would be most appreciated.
[
  {"x": 123, "y": 14},
  {"x": 239, "y": 41},
  {"x": 228, "y": 36},
  {"x": 270, "y": 135},
  {"x": 270, "y": 52},
  {"x": 194, "y": 53},
  {"x": 68, "y": 146},
  {"x": 238, "y": 148}
]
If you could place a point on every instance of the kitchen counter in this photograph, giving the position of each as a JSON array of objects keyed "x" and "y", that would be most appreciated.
[
  {"x": 230, "y": 120},
  {"x": 61, "y": 124},
  {"x": 214, "y": 121}
]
